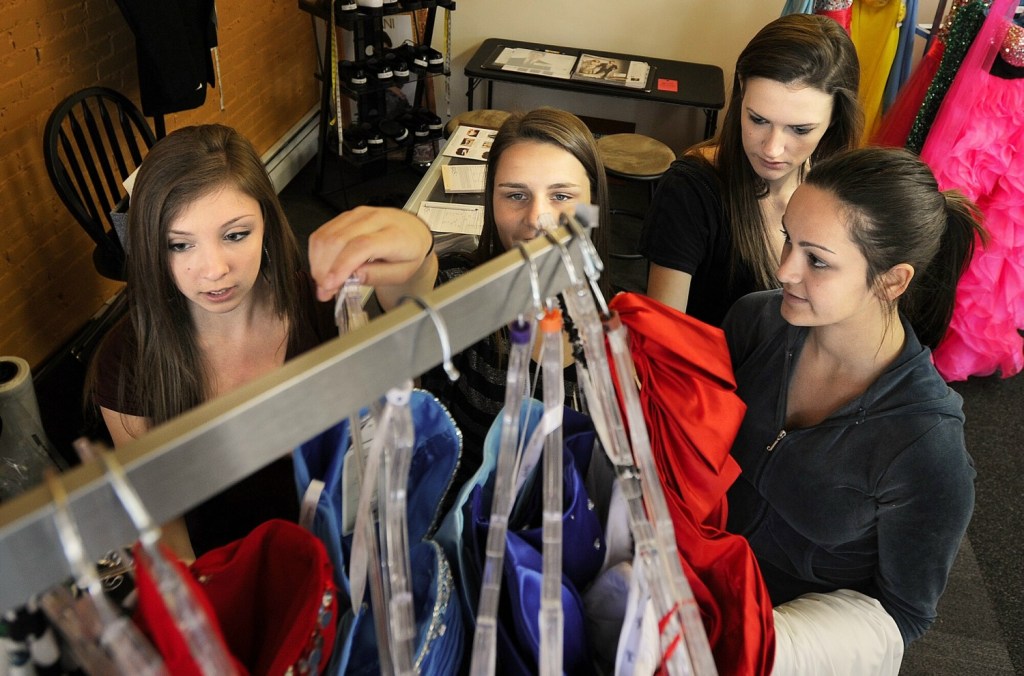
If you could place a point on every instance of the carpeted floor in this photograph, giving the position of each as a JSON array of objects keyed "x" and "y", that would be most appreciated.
[{"x": 980, "y": 629}]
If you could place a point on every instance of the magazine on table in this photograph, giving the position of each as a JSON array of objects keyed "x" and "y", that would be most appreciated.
[
  {"x": 614, "y": 71},
  {"x": 471, "y": 143},
  {"x": 543, "y": 62}
]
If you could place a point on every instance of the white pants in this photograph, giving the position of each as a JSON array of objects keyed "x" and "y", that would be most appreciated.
[{"x": 843, "y": 633}]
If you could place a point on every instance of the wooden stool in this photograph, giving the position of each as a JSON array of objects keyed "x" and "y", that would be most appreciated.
[
  {"x": 485, "y": 118},
  {"x": 634, "y": 157}
]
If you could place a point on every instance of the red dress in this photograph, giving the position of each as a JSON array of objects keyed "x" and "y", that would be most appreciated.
[
  {"x": 692, "y": 411},
  {"x": 895, "y": 126}
]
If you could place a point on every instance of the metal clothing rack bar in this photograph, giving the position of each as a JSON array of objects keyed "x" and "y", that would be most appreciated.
[{"x": 187, "y": 460}]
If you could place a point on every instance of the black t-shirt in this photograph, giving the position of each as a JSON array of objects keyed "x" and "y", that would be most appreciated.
[{"x": 686, "y": 229}]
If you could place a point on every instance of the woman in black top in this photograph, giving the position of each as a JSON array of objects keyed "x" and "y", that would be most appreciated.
[{"x": 712, "y": 232}]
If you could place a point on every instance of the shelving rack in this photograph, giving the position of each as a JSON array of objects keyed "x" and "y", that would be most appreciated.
[{"x": 366, "y": 26}]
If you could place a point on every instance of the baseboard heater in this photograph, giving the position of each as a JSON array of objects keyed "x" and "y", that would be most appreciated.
[{"x": 286, "y": 158}]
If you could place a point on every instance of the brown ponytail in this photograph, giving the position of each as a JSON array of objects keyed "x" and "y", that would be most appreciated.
[{"x": 896, "y": 214}]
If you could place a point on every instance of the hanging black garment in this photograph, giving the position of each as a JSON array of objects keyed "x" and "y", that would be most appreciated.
[{"x": 173, "y": 39}]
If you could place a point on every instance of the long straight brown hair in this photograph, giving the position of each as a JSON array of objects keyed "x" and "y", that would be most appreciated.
[
  {"x": 166, "y": 371},
  {"x": 563, "y": 130},
  {"x": 797, "y": 49}
]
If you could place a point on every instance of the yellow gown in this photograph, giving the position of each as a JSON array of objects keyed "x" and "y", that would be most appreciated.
[{"x": 875, "y": 30}]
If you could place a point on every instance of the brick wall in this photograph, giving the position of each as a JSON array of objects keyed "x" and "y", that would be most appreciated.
[{"x": 51, "y": 48}]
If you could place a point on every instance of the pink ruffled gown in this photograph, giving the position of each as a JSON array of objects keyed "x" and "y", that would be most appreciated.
[{"x": 976, "y": 145}]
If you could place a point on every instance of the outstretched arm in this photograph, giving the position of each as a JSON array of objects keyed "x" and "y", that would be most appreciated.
[{"x": 388, "y": 249}]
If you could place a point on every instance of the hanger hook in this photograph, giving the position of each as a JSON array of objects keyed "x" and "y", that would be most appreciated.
[
  {"x": 592, "y": 263},
  {"x": 67, "y": 532},
  {"x": 442, "y": 335},
  {"x": 538, "y": 303},
  {"x": 590, "y": 268},
  {"x": 570, "y": 267},
  {"x": 574, "y": 278},
  {"x": 149, "y": 532}
]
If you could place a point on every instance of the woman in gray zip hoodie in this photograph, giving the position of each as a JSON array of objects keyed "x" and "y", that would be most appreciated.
[{"x": 854, "y": 471}]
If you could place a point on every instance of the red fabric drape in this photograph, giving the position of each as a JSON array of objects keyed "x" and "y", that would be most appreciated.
[
  {"x": 274, "y": 595},
  {"x": 687, "y": 392}
]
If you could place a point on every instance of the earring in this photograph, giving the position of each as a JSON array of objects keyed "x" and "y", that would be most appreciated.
[{"x": 266, "y": 256}]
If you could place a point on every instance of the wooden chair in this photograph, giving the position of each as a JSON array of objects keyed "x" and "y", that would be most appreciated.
[{"x": 93, "y": 141}]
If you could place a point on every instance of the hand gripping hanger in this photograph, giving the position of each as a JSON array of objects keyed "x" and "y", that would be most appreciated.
[
  {"x": 649, "y": 520},
  {"x": 392, "y": 447},
  {"x": 516, "y": 385},
  {"x": 100, "y": 637}
]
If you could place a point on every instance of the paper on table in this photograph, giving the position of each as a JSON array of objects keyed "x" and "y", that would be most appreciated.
[
  {"x": 545, "y": 62},
  {"x": 465, "y": 219},
  {"x": 612, "y": 70},
  {"x": 464, "y": 178}
]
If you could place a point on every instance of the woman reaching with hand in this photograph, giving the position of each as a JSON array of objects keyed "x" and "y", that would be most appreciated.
[{"x": 217, "y": 297}]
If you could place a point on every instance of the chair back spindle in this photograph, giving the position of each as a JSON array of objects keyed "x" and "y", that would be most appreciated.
[{"x": 93, "y": 141}]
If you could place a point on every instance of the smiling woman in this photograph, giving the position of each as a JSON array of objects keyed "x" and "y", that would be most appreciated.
[{"x": 217, "y": 297}]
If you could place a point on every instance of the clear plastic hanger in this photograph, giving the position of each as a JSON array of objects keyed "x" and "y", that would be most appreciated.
[
  {"x": 102, "y": 640},
  {"x": 392, "y": 448},
  {"x": 685, "y": 649},
  {"x": 349, "y": 315},
  {"x": 484, "y": 656},
  {"x": 551, "y": 621},
  {"x": 398, "y": 445},
  {"x": 210, "y": 654},
  {"x": 365, "y": 534},
  {"x": 654, "y": 533}
]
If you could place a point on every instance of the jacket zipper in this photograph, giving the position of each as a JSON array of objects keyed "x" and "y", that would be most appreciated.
[
  {"x": 771, "y": 446},
  {"x": 781, "y": 412}
]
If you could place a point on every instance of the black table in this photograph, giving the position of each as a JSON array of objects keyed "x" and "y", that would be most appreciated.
[{"x": 680, "y": 83}]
